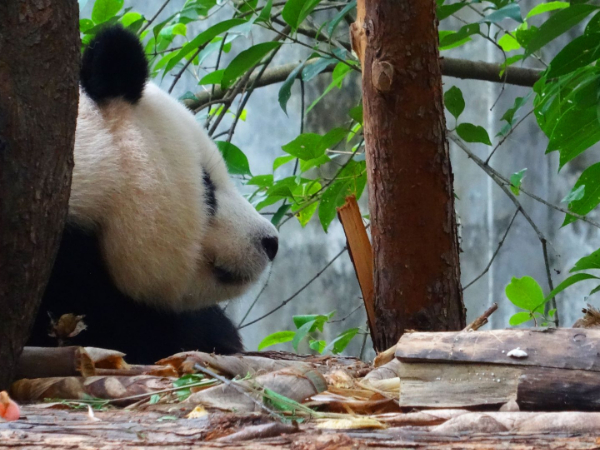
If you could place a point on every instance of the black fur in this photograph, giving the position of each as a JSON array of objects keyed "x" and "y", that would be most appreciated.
[
  {"x": 80, "y": 284},
  {"x": 209, "y": 194},
  {"x": 114, "y": 66}
]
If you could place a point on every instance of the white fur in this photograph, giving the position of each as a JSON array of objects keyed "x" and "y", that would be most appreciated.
[{"x": 138, "y": 183}]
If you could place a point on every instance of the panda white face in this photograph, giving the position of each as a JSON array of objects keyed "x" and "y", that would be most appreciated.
[{"x": 174, "y": 231}]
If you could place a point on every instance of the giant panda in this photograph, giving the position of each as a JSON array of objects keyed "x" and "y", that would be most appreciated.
[{"x": 156, "y": 233}]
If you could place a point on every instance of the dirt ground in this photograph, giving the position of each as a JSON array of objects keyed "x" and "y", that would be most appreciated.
[{"x": 45, "y": 427}]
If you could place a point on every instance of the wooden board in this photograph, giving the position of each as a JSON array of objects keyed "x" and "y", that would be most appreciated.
[
  {"x": 564, "y": 348},
  {"x": 480, "y": 386},
  {"x": 456, "y": 386}
]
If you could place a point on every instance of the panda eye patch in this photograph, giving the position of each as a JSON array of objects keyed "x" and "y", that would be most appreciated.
[{"x": 209, "y": 194}]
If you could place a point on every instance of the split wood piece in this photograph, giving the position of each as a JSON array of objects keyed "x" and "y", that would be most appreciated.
[
  {"x": 43, "y": 362},
  {"x": 562, "y": 348},
  {"x": 473, "y": 370},
  {"x": 361, "y": 254},
  {"x": 389, "y": 354},
  {"x": 424, "y": 385}
]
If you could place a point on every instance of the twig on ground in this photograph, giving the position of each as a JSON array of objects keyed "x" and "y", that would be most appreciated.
[
  {"x": 483, "y": 319},
  {"x": 238, "y": 388}
]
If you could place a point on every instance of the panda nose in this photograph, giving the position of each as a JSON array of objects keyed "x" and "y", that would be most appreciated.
[{"x": 270, "y": 246}]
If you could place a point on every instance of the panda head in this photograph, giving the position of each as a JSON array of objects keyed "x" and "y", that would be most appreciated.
[
  {"x": 237, "y": 243},
  {"x": 173, "y": 230}
]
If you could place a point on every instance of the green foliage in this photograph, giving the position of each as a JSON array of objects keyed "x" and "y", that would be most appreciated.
[
  {"x": 307, "y": 327},
  {"x": 515, "y": 181},
  {"x": 454, "y": 101}
]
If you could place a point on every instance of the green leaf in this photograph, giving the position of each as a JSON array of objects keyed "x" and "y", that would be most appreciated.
[
  {"x": 519, "y": 318},
  {"x": 85, "y": 25},
  {"x": 105, "y": 10},
  {"x": 339, "y": 16},
  {"x": 318, "y": 320},
  {"x": 576, "y": 193},
  {"x": 212, "y": 78},
  {"x": 525, "y": 293},
  {"x": 593, "y": 291},
  {"x": 261, "y": 181},
  {"x": 587, "y": 188},
  {"x": 579, "y": 52},
  {"x": 552, "y": 313},
  {"x": 576, "y": 131},
  {"x": 236, "y": 161},
  {"x": 546, "y": 7},
  {"x": 340, "y": 72},
  {"x": 591, "y": 261},
  {"x": 306, "y": 146},
  {"x": 356, "y": 114},
  {"x": 265, "y": 14},
  {"x": 285, "y": 92},
  {"x": 454, "y": 101},
  {"x": 559, "y": 23},
  {"x": 313, "y": 69},
  {"x": 301, "y": 334},
  {"x": 276, "y": 338},
  {"x": 510, "y": 11},
  {"x": 202, "y": 39},
  {"x": 281, "y": 212},
  {"x": 318, "y": 346},
  {"x": 473, "y": 133},
  {"x": 444, "y": 11},
  {"x": 509, "y": 43},
  {"x": 570, "y": 282},
  {"x": 511, "y": 113},
  {"x": 281, "y": 160},
  {"x": 340, "y": 343},
  {"x": 246, "y": 60},
  {"x": 462, "y": 34},
  {"x": 154, "y": 399},
  {"x": 515, "y": 181},
  {"x": 295, "y": 11}
]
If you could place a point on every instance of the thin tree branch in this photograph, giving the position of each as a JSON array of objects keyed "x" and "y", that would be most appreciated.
[
  {"x": 298, "y": 292},
  {"x": 256, "y": 298},
  {"x": 145, "y": 27},
  {"x": 499, "y": 181},
  {"x": 487, "y": 268},
  {"x": 185, "y": 66},
  {"x": 457, "y": 68}
]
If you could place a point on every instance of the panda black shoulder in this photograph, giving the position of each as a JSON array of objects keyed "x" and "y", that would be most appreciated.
[{"x": 114, "y": 66}]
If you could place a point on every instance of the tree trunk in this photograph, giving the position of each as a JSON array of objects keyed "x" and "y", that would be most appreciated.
[
  {"x": 416, "y": 267},
  {"x": 39, "y": 72}
]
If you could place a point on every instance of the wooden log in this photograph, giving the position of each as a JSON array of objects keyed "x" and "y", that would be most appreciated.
[
  {"x": 361, "y": 254},
  {"x": 563, "y": 348},
  {"x": 42, "y": 362}
]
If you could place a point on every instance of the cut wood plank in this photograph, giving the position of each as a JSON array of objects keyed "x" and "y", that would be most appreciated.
[
  {"x": 564, "y": 348},
  {"x": 436, "y": 385},
  {"x": 457, "y": 386},
  {"x": 361, "y": 254},
  {"x": 559, "y": 390}
]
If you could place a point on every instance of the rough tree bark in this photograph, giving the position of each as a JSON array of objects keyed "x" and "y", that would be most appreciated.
[
  {"x": 39, "y": 72},
  {"x": 416, "y": 267}
]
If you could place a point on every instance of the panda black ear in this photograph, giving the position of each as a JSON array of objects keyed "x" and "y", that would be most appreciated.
[{"x": 114, "y": 66}]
